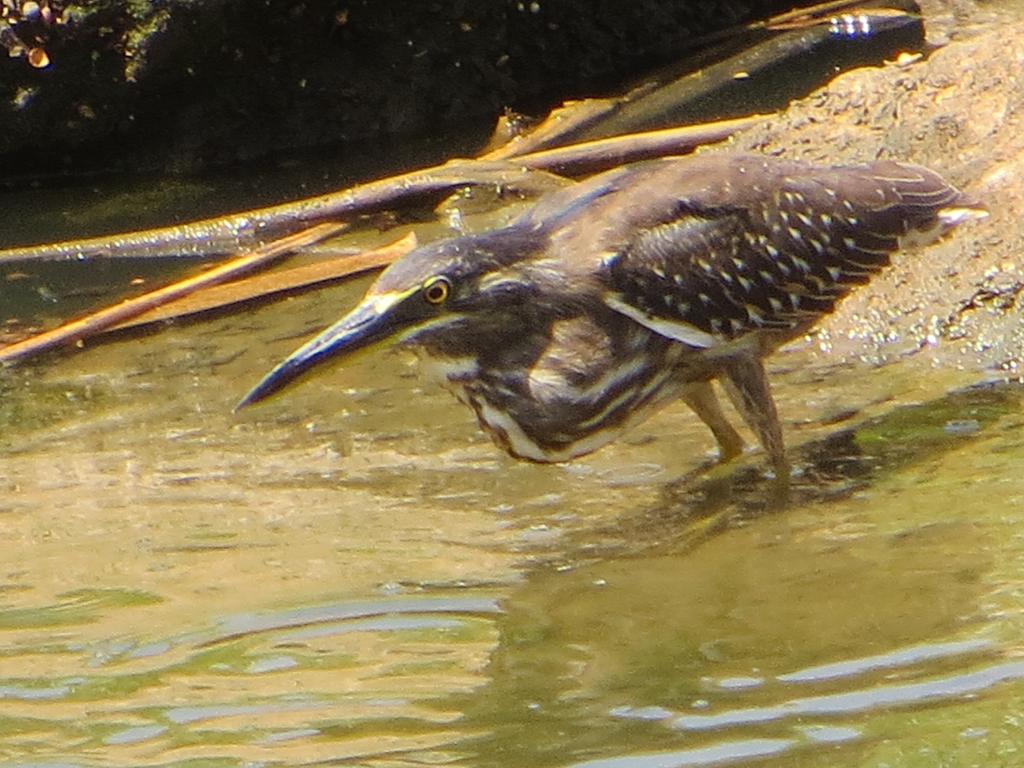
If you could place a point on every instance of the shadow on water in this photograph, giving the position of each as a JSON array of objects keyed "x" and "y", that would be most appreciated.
[
  {"x": 701, "y": 657},
  {"x": 728, "y": 628},
  {"x": 827, "y": 470}
]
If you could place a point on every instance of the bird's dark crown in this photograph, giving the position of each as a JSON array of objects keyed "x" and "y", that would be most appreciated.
[{"x": 452, "y": 273}]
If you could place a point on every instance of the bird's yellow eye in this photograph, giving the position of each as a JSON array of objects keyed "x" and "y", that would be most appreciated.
[{"x": 436, "y": 290}]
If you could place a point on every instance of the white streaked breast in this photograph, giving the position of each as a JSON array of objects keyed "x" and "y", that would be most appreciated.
[{"x": 518, "y": 442}]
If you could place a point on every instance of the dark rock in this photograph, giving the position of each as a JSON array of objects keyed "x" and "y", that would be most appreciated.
[{"x": 183, "y": 85}]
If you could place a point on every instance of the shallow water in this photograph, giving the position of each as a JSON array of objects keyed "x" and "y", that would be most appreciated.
[{"x": 353, "y": 573}]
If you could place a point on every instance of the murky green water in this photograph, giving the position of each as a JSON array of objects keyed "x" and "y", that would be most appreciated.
[{"x": 353, "y": 573}]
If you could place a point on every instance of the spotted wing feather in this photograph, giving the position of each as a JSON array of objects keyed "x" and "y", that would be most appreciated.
[{"x": 750, "y": 244}]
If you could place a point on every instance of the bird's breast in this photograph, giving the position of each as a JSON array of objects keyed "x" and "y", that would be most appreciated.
[{"x": 568, "y": 391}]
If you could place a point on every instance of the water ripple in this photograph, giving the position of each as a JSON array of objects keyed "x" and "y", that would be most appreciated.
[
  {"x": 899, "y": 658},
  {"x": 250, "y": 623},
  {"x": 718, "y": 754},
  {"x": 860, "y": 701}
]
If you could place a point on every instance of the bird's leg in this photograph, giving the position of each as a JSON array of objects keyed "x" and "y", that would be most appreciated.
[
  {"x": 746, "y": 383},
  {"x": 702, "y": 400}
]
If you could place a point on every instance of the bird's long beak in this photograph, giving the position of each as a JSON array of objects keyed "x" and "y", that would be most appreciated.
[{"x": 370, "y": 322}]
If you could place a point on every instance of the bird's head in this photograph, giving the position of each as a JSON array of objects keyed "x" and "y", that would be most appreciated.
[{"x": 440, "y": 295}]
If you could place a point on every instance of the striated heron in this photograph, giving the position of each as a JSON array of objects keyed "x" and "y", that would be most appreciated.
[{"x": 608, "y": 299}]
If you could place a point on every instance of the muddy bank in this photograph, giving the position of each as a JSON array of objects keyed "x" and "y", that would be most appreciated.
[{"x": 958, "y": 111}]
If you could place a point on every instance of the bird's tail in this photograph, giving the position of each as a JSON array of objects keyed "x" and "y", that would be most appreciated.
[
  {"x": 945, "y": 220},
  {"x": 928, "y": 205}
]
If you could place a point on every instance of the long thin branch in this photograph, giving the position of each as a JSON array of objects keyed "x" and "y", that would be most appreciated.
[
  {"x": 604, "y": 153},
  {"x": 105, "y": 318},
  {"x": 275, "y": 282}
]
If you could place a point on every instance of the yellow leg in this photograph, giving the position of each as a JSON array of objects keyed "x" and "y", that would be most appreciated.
[
  {"x": 746, "y": 383},
  {"x": 702, "y": 400}
]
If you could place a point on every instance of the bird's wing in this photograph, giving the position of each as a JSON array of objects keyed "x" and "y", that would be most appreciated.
[{"x": 746, "y": 244}]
